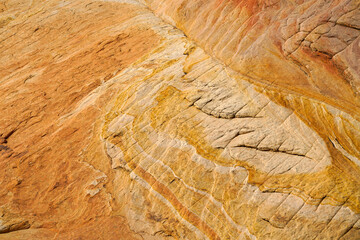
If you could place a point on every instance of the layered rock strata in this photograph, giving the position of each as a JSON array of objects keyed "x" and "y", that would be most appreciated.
[{"x": 179, "y": 119}]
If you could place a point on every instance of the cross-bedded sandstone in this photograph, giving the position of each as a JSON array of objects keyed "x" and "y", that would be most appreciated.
[{"x": 118, "y": 125}]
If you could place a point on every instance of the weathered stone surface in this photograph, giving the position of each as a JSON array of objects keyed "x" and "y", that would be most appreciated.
[{"x": 179, "y": 119}]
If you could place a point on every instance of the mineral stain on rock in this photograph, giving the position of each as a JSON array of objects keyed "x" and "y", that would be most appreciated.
[{"x": 177, "y": 119}]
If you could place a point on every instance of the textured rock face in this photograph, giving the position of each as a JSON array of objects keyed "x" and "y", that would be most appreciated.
[{"x": 180, "y": 119}]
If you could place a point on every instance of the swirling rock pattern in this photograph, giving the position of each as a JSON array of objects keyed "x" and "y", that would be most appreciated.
[{"x": 180, "y": 119}]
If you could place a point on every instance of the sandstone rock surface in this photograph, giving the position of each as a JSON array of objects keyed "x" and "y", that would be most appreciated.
[{"x": 179, "y": 119}]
